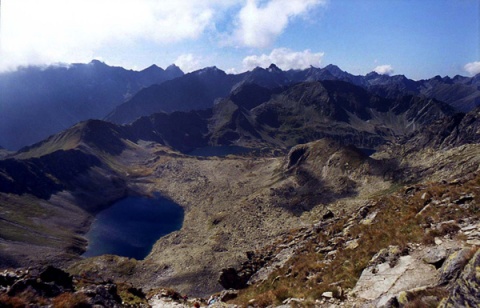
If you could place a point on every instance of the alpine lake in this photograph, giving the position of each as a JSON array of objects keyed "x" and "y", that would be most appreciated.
[{"x": 131, "y": 226}]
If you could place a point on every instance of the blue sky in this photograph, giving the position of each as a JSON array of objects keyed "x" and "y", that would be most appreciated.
[{"x": 417, "y": 38}]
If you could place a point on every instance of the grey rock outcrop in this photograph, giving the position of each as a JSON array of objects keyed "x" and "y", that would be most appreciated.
[
  {"x": 465, "y": 292},
  {"x": 453, "y": 266},
  {"x": 390, "y": 273}
]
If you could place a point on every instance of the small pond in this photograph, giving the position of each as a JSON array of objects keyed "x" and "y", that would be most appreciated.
[
  {"x": 220, "y": 151},
  {"x": 131, "y": 226}
]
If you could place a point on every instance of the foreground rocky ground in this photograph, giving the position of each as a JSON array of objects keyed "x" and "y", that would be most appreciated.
[{"x": 414, "y": 248}]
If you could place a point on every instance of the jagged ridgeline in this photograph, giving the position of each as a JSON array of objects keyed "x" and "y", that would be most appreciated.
[
  {"x": 341, "y": 181},
  {"x": 40, "y": 101}
]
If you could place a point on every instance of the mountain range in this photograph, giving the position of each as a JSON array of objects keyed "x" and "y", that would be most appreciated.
[
  {"x": 209, "y": 84},
  {"x": 39, "y": 101},
  {"x": 346, "y": 177}
]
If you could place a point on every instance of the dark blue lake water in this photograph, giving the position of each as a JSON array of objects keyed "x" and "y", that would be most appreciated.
[
  {"x": 131, "y": 226},
  {"x": 219, "y": 151}
]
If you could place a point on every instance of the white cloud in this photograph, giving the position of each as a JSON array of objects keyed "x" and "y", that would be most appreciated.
[
  {"x": 285, "y": 59},
  {"x": 385, "y": 69},
  {"x": 189, "y": 62},
  {"x": 473, "y": 68},
  {"x": 121, "y": 31},
  {"x": 231, "y": 70},
  {"x": 36, "y": 32},
  {"x": 260, "y": 24}
]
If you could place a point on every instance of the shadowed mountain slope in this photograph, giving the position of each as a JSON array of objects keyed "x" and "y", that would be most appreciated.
[
  {"x": 36, "y": 102},
  {"x": 313, "y": 110}
]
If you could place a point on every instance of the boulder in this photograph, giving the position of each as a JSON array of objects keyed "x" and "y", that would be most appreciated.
[
  {"x": 57, "y": 276},
  {"x": 435, "y": 256},
  {"x": 104, "y": 295},
  {"x": 227, "y": 295}
]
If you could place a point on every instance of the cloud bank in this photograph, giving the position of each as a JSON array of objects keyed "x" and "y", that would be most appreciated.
[
  {"x": 285, "y": 59},
  {"x": 259, "y": 25},
  {"x": 473, "y": 68},
  {"x": 188, "y": 62},
  {"x": 386, "y": 69},
  {"x": 58, "y": 30},
  {"x": 49, "y": 31}
]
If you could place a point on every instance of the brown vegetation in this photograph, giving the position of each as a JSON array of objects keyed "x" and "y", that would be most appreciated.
[{"x": 402, "y": 218}]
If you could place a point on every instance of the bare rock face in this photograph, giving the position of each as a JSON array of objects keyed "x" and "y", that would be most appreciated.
[
  {"x": 381, "y": 281},
  {"x": 465, "y": 292},
  {"x": 453, "y": 266},
  {"x": 55, "y": 287}
]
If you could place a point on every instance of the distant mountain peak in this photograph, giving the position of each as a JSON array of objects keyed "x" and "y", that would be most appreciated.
[
  {"x": 273, "y": 68},
  {"x": 153, "y": 67},
  {"x": 333, "y": 69},
  {"x": 211, "y": 70},
  {"x": 173, "y": 67},
  {"x": 96, "y": 62},
  {"x": 174, "y": 71},
  {"x": 372, "y": 74}
]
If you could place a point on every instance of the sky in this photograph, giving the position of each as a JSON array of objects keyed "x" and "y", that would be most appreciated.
[{"x": 416, "y": 38}]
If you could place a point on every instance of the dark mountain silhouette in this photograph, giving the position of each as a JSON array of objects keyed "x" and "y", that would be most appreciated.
[
  {"x": 37, "y": 102},
  {"x": 193, "y": 91},
  {"x": 40, "y": 101}
]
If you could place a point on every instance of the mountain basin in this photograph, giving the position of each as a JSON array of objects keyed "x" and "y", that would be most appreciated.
[{"x": 131, "y": 226}]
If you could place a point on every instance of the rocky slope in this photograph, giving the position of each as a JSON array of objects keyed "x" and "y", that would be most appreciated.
[
  {"x": 341, "y": 111},
  {"x": 414, "y": 247}
]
